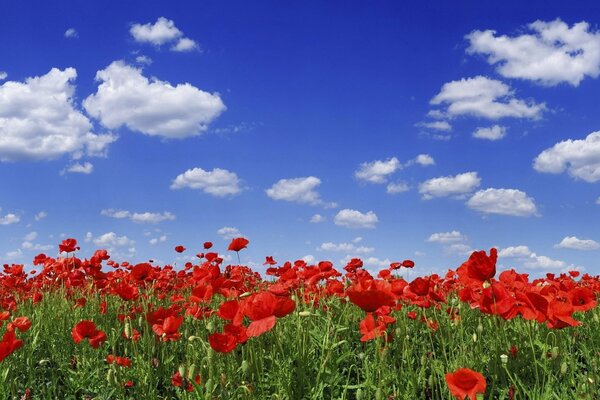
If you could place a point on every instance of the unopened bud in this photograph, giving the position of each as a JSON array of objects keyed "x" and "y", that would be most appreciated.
[
  {"x": 192, "y": 371},
  {"x": 181, "y": 370},
  {"x": 304, "y": 313},
  {"x": 504, "y": 359}
]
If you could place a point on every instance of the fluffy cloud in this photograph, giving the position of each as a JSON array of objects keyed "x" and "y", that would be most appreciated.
[
  {"x": 317, "y": 218},
  {"x": 345, "y": 247},
  {"x": 399, "y": 187},
  {"x": 111, "y": 239},
  {"x": 447, "y": 237},
  {"x": 9, "y": 219},
  {"x": 228, "y": 232},
  {"x": 503, "y": 201},
  {"x": 377, "y": 171},
  {"x": 161, "y": 32},
  {"x": 443, "y": 126},
  {"x": 157, "y": 240},
  {"x": 125, "y": 97},
  {"x": 457, "y": 185},
  {"x": 145, "y": 217},
  {"x": 485, "y": 98},
  {"x": 424, "y": 160},
  {"x": 580, "y": 158},
  {"x": 298, "y": 190},
  {"x": 551, "y": 54},
  {"x": 495, "y": 132},
  {"x": 218, "y": 182},
  {"x": 572, "y": 242},
  {"x": 71, "y": 33},
  {"x": 355, "y": 219},
  {"x": 39, "y": 120},
  {"x": 79, "y": 168},
  {"x": 515, "y": 252},
  {"x": 531, "y": 260},
  {"x": 3, "y": 75},
  {"x": 41, "y": 215}
]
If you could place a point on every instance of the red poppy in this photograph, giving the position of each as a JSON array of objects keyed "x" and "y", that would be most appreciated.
[
  {"x": 238, "y": 243},
  {"x": 480, "y": 266},
  {"x": 168, "y": 330},
  {"x": 370, "y": 295},
  {"x": 121, "y": 361},
  {"x": 207, "y": 245},
  {"x": 465, "y": 382},
  {"x": 408, "y": 263},
  {"x": 180, "y": 249},
  {"x": 87, "y": 330},
  {"x": 269, "y": 261},
  {"x": 21, "y": 323},
  {"x": 178, "y": 381},
  {"x": 222, "y": 342},
  {"x": 68, "y": 246},
  {"x": 9, "y": 344}
]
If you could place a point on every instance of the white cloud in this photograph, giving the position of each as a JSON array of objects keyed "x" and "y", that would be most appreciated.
[
  {"x": 572, "y": 242},
  {"x": 71, "y": 33},
  {"x": 495, "y": 132},
  {"x": 79, "y": 168},
  {"x": 345, "y": 247},
  {"x": 485, "y": 98},
  {"x": 377, "y": 171},
  {"x": 317, "y": 218},
  {"x": 447, "y": 237},
  {"x": 144, "y": 217},
  {"x": 185, "y": 44},
  {"x": 218, "y": 182},
  {"x": 458, "y": 248},
  {"x": 298, "y": 190},
  {"x": 355, "y": 219},
  {"x": 153, "y": 107},
  {"x": 399, "y": 187},
  {"x": 39, "y": 121},
  {"x": 144, "y": 60},
  {"x": 41, "y": 215},
  {"x": 9, "y": 219},
  {"x": 503, "y": 201},
  {"x": 309, "y": 259},
  {"x": 515, "y": 252},
  {"x": 161, "y": 32},
  {"x": 460, "y": 184},
  {"x": 443, "y": 126},
  {"x": 111, "y": 239},
  {"x": 424, "y": 160},
  {"x": 229, "y": 232},
  {"x": 531, "y": 260},
  {"x": 544, "y": 263},
  {"x": 598, "y": 201},
  {"x": 3, "y": 75},
  {"x": 551, "y": 54},
  {"x": 16, "y": 254},
  {"x": 160, "y": 239},
  {"x": 580, "y": 158},
  {"x": 30, "y": 237}
]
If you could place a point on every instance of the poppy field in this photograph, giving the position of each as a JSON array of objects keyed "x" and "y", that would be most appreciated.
[{"x": 95, "y": 328}]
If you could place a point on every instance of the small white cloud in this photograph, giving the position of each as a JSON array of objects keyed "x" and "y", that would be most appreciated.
[
  {"x": 3, "y": 75},
  {"x": 144, "y": 60},
  {"x": 598, "y": 201},
  {"x": 485, "y": 98},
  {"x": 377, "y": 171},
  {"x": 515, "y": 252},
  {"x": 424, "y": 160},
  {"x": 309, "y": 259},
  {"x": 447, "y": 237},
  {"x": 30, "y": 237},
  {"x": 229, "y": 232},
  {"x": 71, "y": 33},
  {"x": 357, "y": 239},
  {"x": 185, "y": 44},
  {"x": 41, "y": 215},
  {"x": 443, "y": 126},
  {"x": 111, "y": 239},
  {"x": 153, "y": 107},
  {"x": 399, "y": 187},
  {"x": 14, "y": 255},
  {"x": 345, "y": 247},
  {"x": 503, "y": 201},
  {"x": 572, "y": 242},
  {"x": 157, "y": 240},
  {"x": 79, "y": 168},
  {"x": 495, "y": 132},
  {"x": 356, "y": 219},
  {"x": 317, "y": 218},
  {"x": 580, "y": 158},
  {"x": 298, "y": 190},
  {"x": 459, "y": 249},
  {"x": 218, "y": 182},
  {"x": 551, "y": 54},
  {"x": 143, "y": 217},
  {"x": 9, "y": 219},
  {"x": 457, "y": 185},
  {"x": 161, "y": 32}
]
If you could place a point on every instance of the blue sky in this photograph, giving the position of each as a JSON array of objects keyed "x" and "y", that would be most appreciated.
[{"x": 328, "y": 131}]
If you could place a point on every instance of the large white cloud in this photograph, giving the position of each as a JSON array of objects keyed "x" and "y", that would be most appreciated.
[
  {"x": 218, "y": 182},
  {"x": 551, "y": 54},
  {"x": 485, "y": 98},
  {"x": 161, "y": 32},
  {"x": 457, "y": 185},
  {"x": 139, "y": 217},
  {"x": 153, "y": 107},
  {"x": 40, "y": 121},
  {"x": 298, "y": 190},
  {"x": 503, "y": 201},
  {"x": 572, "y": 242},
  {"x": 356, "y": 219},
  {"x": 377, "y": 171},
  {"x": 580, "y": 158}
]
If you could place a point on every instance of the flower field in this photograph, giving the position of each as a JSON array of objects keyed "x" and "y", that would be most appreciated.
[{"x": 94, "y": 328}]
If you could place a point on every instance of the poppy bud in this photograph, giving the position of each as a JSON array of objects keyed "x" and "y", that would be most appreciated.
[
  {"x": 111, "y": 378},
  {"x": 359, "y": 394},
  {"x": 304, "y": 313},
  {"x": 474, "y": 337},
  {"x": 209, "y": 386},
  {"x": 181, "y": 370},
  {"x": 192, "y": 371},
  {"x": 245, "y": 366},
  {"x": 127, "y": 330},
  {"x": 504, "y": 359},
  {"x": 480, "y": 328},
  {"x": 563, "y": 368},
  {"x": 554, "y": 352}
]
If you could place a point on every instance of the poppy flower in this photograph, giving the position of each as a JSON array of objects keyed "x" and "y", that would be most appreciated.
[
  {"x": 179, "y": 249},
  {"x": 168, "y": 330},
  {"x": 370, "y": 295},
  {"x": 87, "y": 330},
  {"x": 21, "y": 323},
  {"x": 9, "y": 344},
  {"x": 238, "y": 243},
  {"x": 68, "y": 246},
  {"x": 207, "y": 245},
  {"x": 222, "y": 342},
  {"x": 269, "y": 261},
  {"x": 480, "y": 266},
  {"x": 121, "y": 361},
  {"x": 465, "y": 382},
  {"x": 178, "y": 381}
]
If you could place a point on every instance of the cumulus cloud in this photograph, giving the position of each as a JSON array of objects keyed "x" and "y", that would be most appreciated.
[
  {"x": 79, "y": 168},
  {"x": 144, "y": 60},
  {"x": 503, "y": 201},
  {"x": 153, "y": 107},
  {"x": 514, "y": 252},
  {"x": 218, "y": 182},
  {"x": 111, "y": 239},
  {"x": 485, "y": 98},
  {"x": 377, "y": 171},
  {"x": 580, "y": 158},
  {"x": 139, "y": 217},
  {"x": 424, "y": 160},
  {"x": 443, "y": 126},
  {"x": 161, "y": 32},
  {"x": 447, "y": 237},
  {"x": 345, "y": 247},
  {"x": 572, "y": 242},
  {"x": 157, "y": 240},
  {"x": 457, "y": 185},
  {"x": 356, "y": 219},
  {"x": 41, "y": 215},
  {"x": 229, "y": 232},
  {"x": 530, "y": 260},
  {"x": 39, "y": 120},
  {"x": 9, "y": 219},
  {"x": 298, "y": 190},
  {"x": 71, "y": 33},
  {"x": 398, "y": 187},
  {"x": 552, "y": 53},
  {"x": 317, "y": 218},
  {"x": 3, "y": 75},
  {"x": 495, "y": 132}
]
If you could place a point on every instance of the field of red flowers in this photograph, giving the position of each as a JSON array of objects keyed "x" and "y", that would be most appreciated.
[{"x": 99, "y": 329}]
